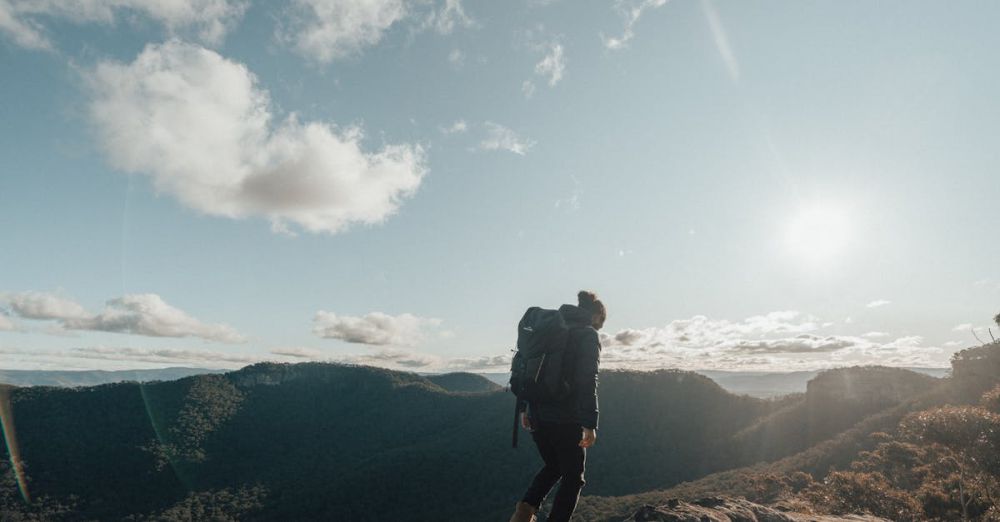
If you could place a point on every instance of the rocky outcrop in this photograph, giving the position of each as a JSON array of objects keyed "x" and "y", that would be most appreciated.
[{"x": 726, "y": 509}]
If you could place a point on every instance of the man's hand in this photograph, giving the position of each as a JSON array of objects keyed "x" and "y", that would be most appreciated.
[
  {"x": 526, "y": 421},
  {"x": 589, "y": 438}
]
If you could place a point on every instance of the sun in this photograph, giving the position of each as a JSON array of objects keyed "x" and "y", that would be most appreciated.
[{"x": 819, "y": 234}]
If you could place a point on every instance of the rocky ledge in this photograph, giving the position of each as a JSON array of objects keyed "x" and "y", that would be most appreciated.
[{"x": 725, "y": 509}]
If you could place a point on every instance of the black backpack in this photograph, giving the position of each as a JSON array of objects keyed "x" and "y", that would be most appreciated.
[{"x": 536, "y": 371}]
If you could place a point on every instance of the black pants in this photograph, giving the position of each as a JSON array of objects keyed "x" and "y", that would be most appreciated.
[{"x": 558, "y": 444}]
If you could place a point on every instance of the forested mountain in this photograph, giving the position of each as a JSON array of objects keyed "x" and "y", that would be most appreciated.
[
  {"x": 334, "y": 442},
  {"x": 326, "y": 441},
  {"x": 934, "y": 456}
]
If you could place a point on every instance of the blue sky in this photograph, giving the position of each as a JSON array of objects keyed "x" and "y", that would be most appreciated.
[{"x": 767, "y": 185}]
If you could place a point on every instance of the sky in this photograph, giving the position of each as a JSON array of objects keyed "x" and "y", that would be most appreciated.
[{"x": 774, "y": 185}]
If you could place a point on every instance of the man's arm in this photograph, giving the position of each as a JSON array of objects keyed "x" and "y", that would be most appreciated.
[{"x": 587, "y": 364}]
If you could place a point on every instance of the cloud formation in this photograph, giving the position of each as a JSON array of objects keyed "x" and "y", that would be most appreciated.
[
  {"x": 553, "y": 64},
  {"x": 6, "y": 325},
  {"x": 324, "y": 30},
  {"x": 447, "y": 17},
  {"x": 328, "y": 30},
  {"x": 150, "y": 315},
  {"x": 42, "y": 306},
  {"x": 458, "y": 127},
  {"x": 139, "y": 314},
  {"x": 499, "y": 137},
  {"x": 375, "y": 328},
  {"x": 877, "y": 303},
  {"x": 631, "y": 11},
  {"x": 298, "y": 353},
  {"x": 210, "y": 20},
  {"x": 199, "y": 126},
  {"x": 165, "y": 355},
  {"x": 784, "y": 340}
]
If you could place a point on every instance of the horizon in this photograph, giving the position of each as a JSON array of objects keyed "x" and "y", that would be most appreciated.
[{"x": 749, "y": 189}]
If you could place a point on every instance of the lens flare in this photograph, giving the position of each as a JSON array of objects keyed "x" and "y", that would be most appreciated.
[{"x": 10, "y": 437}]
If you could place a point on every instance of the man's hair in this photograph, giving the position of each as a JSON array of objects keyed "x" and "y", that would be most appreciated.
[{"x": 588, "y": 301}]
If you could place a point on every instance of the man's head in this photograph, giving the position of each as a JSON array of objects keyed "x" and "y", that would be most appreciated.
[{"x": 588, "y": 301}]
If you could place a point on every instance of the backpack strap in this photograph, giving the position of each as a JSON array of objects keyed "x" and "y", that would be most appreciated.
[{"x": 518, "y": 408}]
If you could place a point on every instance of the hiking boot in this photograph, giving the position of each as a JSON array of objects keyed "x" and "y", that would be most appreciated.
[{"x": 524, "y": 512}]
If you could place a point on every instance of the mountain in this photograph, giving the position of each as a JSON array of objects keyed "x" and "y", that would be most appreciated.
[
  {"x": 95, "y": 377},
  {"x": 898, "y": 463},
  {"x": 775, "y": 384},
  {"x": 318, "y": 441},
  {"x": 325, "y": 441},
  {"x": 464, "y": 382}
]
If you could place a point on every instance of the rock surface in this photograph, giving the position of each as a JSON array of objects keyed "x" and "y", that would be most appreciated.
[{"x": 725, "y": 509}]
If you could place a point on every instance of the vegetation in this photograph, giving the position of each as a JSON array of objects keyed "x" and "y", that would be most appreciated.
[
  {"x": 934, "y": 457},
  {"x": 339, "y": 442}
]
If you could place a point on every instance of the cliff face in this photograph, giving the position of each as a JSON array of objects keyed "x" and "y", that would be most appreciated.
[{"x": 725, "y": 509}]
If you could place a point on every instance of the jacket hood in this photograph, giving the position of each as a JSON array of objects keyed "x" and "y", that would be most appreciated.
[{"x": 575, "y": 316}]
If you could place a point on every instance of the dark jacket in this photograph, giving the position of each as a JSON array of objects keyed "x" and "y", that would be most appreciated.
[{"x": 584, "y": 352}]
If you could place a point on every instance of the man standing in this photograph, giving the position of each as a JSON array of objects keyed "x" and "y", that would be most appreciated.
[{"x": 563, "y": 430}]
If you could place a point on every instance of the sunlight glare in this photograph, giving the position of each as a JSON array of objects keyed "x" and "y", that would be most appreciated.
[{"x": 819, "y": 234}]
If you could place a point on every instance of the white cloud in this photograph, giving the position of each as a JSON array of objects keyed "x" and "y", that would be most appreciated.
[
  {"x": 781, "y": 341},
  {"x": 875, "y": 335},
  {"x": 528, "y": 88},
  {"x": 149, "y": 314},
  {"x": 164, "y": 355},
  {"x": 6, "y": 325},
  {"x": 24, "y": 32},
  {"x": 483, "y": 363},
  {"x": 199, "y": 126},
  {"x": 458, "y": 127},
  {"x": 140, "y": 314},
  {"x": 456, "y": 58},
  {"x": 964, "y": 327},
  {"x": 877, "y": 303},
  {"x": 327, "y": 30},
  {"x": 375, "y": 328},
  {"x": 298, "y": 353},
  {"x": 800, "y": 344},
  {"x": 450, "y": 15},
  {"x": 40, "y": 305},
  {"x": 631, "y": 11},
  {"x": 499, "y": 137},
  {"x": 553, "y": 64},
  {"x": 210, "y": 20}
]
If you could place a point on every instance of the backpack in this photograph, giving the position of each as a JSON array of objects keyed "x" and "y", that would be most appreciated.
[{"x": 536, "y": 370}]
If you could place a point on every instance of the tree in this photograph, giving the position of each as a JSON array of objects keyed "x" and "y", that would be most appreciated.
[{"x": 969, "y": 435}]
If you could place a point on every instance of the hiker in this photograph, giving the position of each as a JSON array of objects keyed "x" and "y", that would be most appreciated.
[{"x": 564, "y": 429}]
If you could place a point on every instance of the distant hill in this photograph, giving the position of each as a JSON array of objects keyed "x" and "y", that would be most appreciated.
[
  {"x": 775, "y": 384},
  {"x": 95, "y": 377},
  {"x": 464, "y": 382},
  {"x": 765, "y": 385}
]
